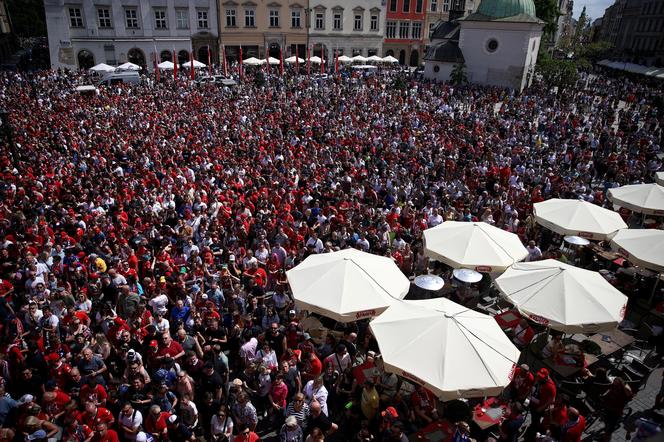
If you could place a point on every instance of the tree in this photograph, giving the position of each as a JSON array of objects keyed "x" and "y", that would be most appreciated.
[
  {"x": 28, "y": 17},
  {"x": 458, "y": 75},
  {"x": 560, "y": 73},
  {"x": 548, "y": 12},
  {"x": 580, "y": 30}
]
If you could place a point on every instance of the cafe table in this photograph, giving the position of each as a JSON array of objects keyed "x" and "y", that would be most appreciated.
[
  {"x": 611, "y": 341},
  {"x": 489, "y": 413},
  {"x": 436, "y": 431},
  {"x": 508, "y": 319}
]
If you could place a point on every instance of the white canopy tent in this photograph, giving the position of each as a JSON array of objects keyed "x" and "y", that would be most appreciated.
[
  {"x": 473, "y": 245},
  {"x": 315, "y": 59},
  {"x": 292, "y": 60},
  {"x": 273, "y": 60},
  {"x": 347, "y": 285},
  {"x": 454, "y": 351},
  {"x": 390, "y": 59},
  {"x": 563, "y": 297},
  {"x": 374, "y": 59},
  {"x": 102, "y": 68},
  {"x": 197, "y": 64},
  {"x": 129, "y": 67},
  {"x": 253, "y": 61},
  {"x": 345, "y": 59},
  {"x": 640, "y": 198},
  {"x": 578, "y": 218},
  {"x": 359, "y": 59},
  {"x": 166, "y": 65}
]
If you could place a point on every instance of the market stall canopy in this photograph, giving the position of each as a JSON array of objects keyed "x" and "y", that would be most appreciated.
[
  {"x": 578, "y": 218},
  {"x": 273, "y": 60},
  {"x": 473, "y": 245},
  {"x": 563, "y": 297},
  {"x": 390, "y": 59},
  {"x": 197, "y": 64},
  {"x": 639, "y": 198},
  {"x": 374, "y": 59},
  {"x": 642, "y": 247},
  {"x": 166, "y": 65},
  {"x": 454, "y": 351},
  {"x": 315, "y": 59},
  {"x": 129, "y": 67},
  {"x": 102, "y": 68},
  {"x": 345, "y": 59},
  {"x": 360, "y": 59},
  {"x": 293, "y": 59},
  {"x": 347, "y": 285},
  {"x": 253, "y": 61}
]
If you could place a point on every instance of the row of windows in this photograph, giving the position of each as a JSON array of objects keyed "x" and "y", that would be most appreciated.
[
  {"x": 650, "y": 25},
  {"x": 296, "y": 19},
  {"x": 407, "y": 5},
  {"x": 406, "y": 30},
  {"x": 104, "y": 18},
  {"x": 434, "y": 6}
]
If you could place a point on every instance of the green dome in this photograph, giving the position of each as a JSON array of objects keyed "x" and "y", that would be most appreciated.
[{"x": 506, "y": 8}]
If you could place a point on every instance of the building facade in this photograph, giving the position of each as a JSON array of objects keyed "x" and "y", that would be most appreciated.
[
  {"x": 445, "y": 10},
  {"x": 404, "y": 30},
  {"x": 7, "y": 39},
  {"x": 635, "y": 28},
  {"x": 82, "y": 33},
  {"x": 260, "y": 26},
  {"x": 347, "y": 27},
  {"x": 565, "y": 9}
]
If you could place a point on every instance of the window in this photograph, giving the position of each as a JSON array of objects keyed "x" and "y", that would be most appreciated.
[
  {"x": 406, "y": 5},
  {"x": 434, "y": 5},
  {"x": 431, "y": 28},
  {"x": 296, "y": 18},
  {"x": 374, "y": 22},
  {"x": 337, "y": 21},
  {"x": 320, "y": 21},
  {"x": 75, "y": 18},
  {"x": 404, "y": 29},
  {"x": 131, "y": 17},
  {"x": 357, "y": 22},
  {"x": 160, "y": 19},
  {"x": 104, "y": 16},
  {"x": 203, "y": 19},
  {"x": 391, "y": 29},
  {"x": 274, "y": 18},
  {"x": 446, "y": 5},
  {"x": 393, "y": 5},
  {"x": 230, "y": 18},
  {"x": 418, "y": 6},
  {"x": 417, "y": 30},
  {"x": 182, "y": 18},
  {"x": 250, "y": 18},
  {"x": 492, "y": 45}
]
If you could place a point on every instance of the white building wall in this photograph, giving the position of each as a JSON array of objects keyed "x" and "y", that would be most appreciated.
[
  {"x": 444, "y": 71},
  {"x": 65, "y": 41}
]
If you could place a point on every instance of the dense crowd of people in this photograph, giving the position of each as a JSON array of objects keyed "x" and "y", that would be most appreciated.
[{"x": 145, "y": 232}]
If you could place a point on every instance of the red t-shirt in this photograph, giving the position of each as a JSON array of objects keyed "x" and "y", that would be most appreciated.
[
  {"x": 110, "y": 436},
  {"x": 172, "y": 350},
  {"x": 572, "y": 431},
  {"x": 103, "y": 414},
  {"x": 157, "y": 425},
  {"x": 547, "y": 392},
  {"x": 97, "y": 394}
]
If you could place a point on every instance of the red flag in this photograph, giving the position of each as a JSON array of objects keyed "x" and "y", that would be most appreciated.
[
  {"x": 175, "y": 66},
  {"x": 239, "y": 69},
  {"x": 209, "y": 62},
  {"x": 322, "y": 59},
  {"x": 223, "y": 54},
  {"x": 156, "y": 65},
  {"x": 191, "y": 65},
  {"x": 281, "y": 61},
  {"x": 308, "y": 62},
  {"x": 336, "y": 61},
  {"x": 267, "y": 59},
  {"x": 297, "y": 61}
]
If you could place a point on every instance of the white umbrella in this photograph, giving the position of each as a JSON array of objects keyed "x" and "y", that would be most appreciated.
[
  {"x": 166, "y": 65},
  {"x": 374, "y": 58},
  {"x": 345, "y": 59},
  {"x": 578, "y": 218},
  {"x": 390, "y": 59},
  {"x": 197, "y": 64},
  {"x": 429, "y": 282},
  {"x": 315, "y": 59},
  {"x": 452, "y": 350},
  {"x": 273, "y": 60},
  {"x": 640, "y": 198},
  {"x": 359, "y": 58},
  {"x": 562, "y": 296},
  {"x": 576, "y": 240},
  {"x": 102, "y": 67},
  {"x": 128, "y": 66},
  {"x": 347, "y": 285},
  {"x": 467, "y": 275},
  {"x": 473, "y": 245},
  {"x": 642, "y": 247},
  {"x": 253, "y": 61},
  {"x": 659, "y": 178},
  {"x": 293, "y": 58}
]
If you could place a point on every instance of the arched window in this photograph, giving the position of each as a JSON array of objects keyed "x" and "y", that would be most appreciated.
[
  {"x": 183, "y": 56},
  {"x": 203, "y": 54},
  {"x": 85, "y": 59},
  {"x": 414, "y": 58},
  {"x": 402, "y": 56},
  {"x": 136, "y": 56},
  {"x": 389, "y": 53},
  {"x": 166, "y": 56}
]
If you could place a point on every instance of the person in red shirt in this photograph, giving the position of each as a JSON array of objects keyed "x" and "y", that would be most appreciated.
[
  {"x": 424, "y": 405},
  {"x": 104, "y": 434},
  {"x": 522, "y": 384},
  {"x": 573, "y": 429},
  {"x": 93, "y": 392},
  {"x": 169, "y": 347},
  {"x": 544, "y": 395},
  {"x": 157, "y": 423},
  {"x": 94, "y": 414},
  {"x": 246, "y": 435},
  {"x": 313, "y": 367}
]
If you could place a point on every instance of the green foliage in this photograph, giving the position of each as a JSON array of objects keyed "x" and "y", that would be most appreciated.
[
  {"x": 548, "y": 12},
  {"x": 458, "y": 75},
  {"x": 561, "y": 73},
  {"x": 28, "y": 17},
  {"x": 594, "y": 51}
]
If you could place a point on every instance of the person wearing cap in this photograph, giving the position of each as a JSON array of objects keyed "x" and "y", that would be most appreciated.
[
  {"x": 521, "y": 385},
  {"x": 542, "y": 398},
  {"x": 291, "y": 431}
]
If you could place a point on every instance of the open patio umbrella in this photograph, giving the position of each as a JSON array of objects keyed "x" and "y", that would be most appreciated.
[
  {"x": 347, "y": 285},
  {"x": 293, "y": 59},
  {"x": 473, "y": 245},
  {"x": 578, "y": 218},
  {"x": 315, "y": 59},
  {"x": 563, "y": 297},
  {"x": 359, "y": 58},
  {"x": 345, "y": 59},
  {"x": 659, "y": 178},
  {"x": 454, "y": 351},
  {"x": 197, "y": 64},
  {"x": 642, "y": 247},
  {"x": 273, "y": 60},
  {"x": 374, "y": 59},
  {"x": 129, "y": 67},
  {"x": 639, "y": 198},
  {"x": 102, "y": 68},
  {"x": 166, "y": 65},
  {"x": 253, "y": 61},
  {"x": 390, "y": 59}
]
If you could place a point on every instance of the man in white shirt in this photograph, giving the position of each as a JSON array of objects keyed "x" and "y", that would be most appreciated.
[
  {"x": 534, "y": 252},
  {"x": 339, "y": 360},
  {"x": 129, "y": 421},
  {"x": 315, "y": 242}
]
